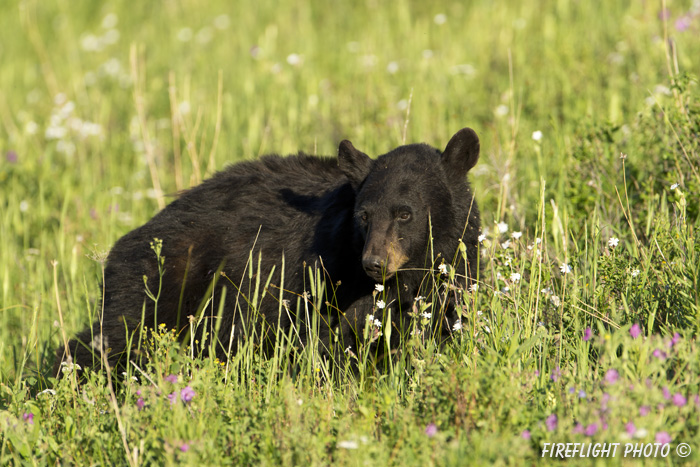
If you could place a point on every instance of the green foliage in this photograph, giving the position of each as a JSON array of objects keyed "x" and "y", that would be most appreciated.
[{"x": 588, "y": 114}]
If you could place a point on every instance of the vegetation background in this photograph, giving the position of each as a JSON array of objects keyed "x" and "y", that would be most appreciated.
[{"x": 584, "y": 326}]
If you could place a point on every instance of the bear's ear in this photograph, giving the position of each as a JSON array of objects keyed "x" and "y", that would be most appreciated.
[
  {"x": 353, "y": 163},
  {"x": 461, "y": 152}
]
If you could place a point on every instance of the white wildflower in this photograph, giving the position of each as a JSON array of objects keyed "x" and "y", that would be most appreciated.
[
  {"x": 474, "y": 287},
  {"x": 443, "y": 269},
  {"x": 381, "y": 304},
  {"x": 347, "y": 445},
  {"x": 392, "y": 67},
  {"x": 50, "y": 392},
  {"x": 674, "y": 186},
  {"x": 555, "y": 300},
  {"x": 515, "y": 277},
  {"x": 517, "y": 235},
  {"x": 294, "y": 59},
  {"x": 440, "y": 19},
  {"x": 482, "y": 237},
  {"x": 426, "y": 315},
  {"x": 379, "y": 288},
  {"x": 635, "y": 272},
  {"x": 537, "y": 135},
  {"x": 613, "y": 242},
  {"x": 565, "y": 268},
  {"x": 505, "y": 245},
  {"x": 377, "y": 323},
  {"x": 502, "y": 227},
  {"x": 457, "y": 326}
]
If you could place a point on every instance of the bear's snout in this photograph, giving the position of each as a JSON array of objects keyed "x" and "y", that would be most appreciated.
[{"x": 373, "y": 266}]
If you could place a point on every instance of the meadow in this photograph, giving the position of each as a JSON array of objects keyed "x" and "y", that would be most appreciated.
[{"x": 584, "y": 325}]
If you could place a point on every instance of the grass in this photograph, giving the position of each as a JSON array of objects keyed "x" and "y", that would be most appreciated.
[{"x": 107, "y": 109}]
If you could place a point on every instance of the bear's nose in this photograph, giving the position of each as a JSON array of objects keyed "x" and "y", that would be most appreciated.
[{"x": 373, "y": 265}]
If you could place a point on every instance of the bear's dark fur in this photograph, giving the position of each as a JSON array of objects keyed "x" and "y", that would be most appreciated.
[{"x": 360, "y": 221}]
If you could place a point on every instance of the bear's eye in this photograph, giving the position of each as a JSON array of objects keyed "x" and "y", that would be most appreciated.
[
  {"x": 363, "y": 216},
  {"x": 404, "y": 215}
]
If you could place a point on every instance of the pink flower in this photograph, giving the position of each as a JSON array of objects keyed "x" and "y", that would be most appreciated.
[
  {"x": 29, "y": 418},
  {"x": 591, "y": 429},
  {"x": 187, "y": 394},
  {"x": 578, "y": 429},
  {"x": 551, "y": 422},
  {"x": 140, "y": 403},
  {"x": 644, "y": 410},
  {"x": 556, "y": 374},
  {"x": 587, "y": 333},
  {"x": 679, "y": 400},
  {"x": 663, "y": 437},
  {"x": 172, "y": 397},
  {"x": 525, "y": 434},
  {"x": 171, "y": 379},
  {"x": 630, "y": 428},
  {"x": 674, "y": 340},
  {"x": 635, "y": 331},
  {"x": 184, "y": 447},
  {"x": 431, "y": 430},
  {"x": 660, "y": 354},
  {"x": 666, "y": 393},
  {"x": 683, "y": 23},
  {"x": 611, "y": 376}
]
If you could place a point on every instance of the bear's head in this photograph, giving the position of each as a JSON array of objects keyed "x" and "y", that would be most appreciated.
[{"x": 406, "y": 196}]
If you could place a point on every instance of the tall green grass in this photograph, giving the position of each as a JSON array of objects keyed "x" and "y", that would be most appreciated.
[{"x": 584, "y": 325}]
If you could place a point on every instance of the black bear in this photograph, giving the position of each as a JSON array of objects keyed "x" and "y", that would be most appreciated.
[{"x": 258, "y": 230}]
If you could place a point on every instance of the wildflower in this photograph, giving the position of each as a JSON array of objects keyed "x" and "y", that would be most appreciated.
[
  {"x": 683, "y": 23},
  {"x": 294, "y": 59},
  {"x": 172, "y": 397},
  {"x": 635, "y": 273},
  {"x": 578, "y": 429},
  {"x": 515, "y": 277},
  {"x": 457, "y": 326},
  {"x": 613, "y": 242},
  {"x": 379, "y": 288},
  {"x": 426, "y": 315},
  {"x": 474, "y": 287},
  {"x": 381, "y": 304},
  {"x": 505, "y": 245},
  {"x": 440, "y": 19},
  {"x": 501, "y": 110},
  {"x": 140, "y": 403},
  {"x": 222, "y": 21},
  {"x": 587, "y": 334},
  {"x": 431, "y": 430},
  {"x": 516, "y": 235},
  {"x": 347, "y": 444},
  {"x": 443, "y": 269},
  {"x": 171, "y": 378},
  {"x": 635, "y": 330},
  {"x": 11, "y": 157},
  {"x": 187, "y": 394},
  {"x": 660, "y": 354},
  {"x": 551, "y": 422},
  {"x": 591, "y": 429},
  {"x": 28, "y": 417},
  {"x": 482, "y": 237},
  {"x": 630, "y": 428},
  {"x": 537, "y": 135},
  {"x": 184, "y": 447},
  {"x": 679, "y": 400},
  {"x": 556, "y": 374},
  {"x": 582, "y": 394},
  {"x": 674, "y": 340},
  {"x": 644, "y": 410},
  {"x": 556, "y": 301},
  {"x": 525, "y": 434},
  {"x": 392, "y": 67},
  {"x": 502, "y": 227},
  {"x": 611, "y": 376},
  {"x": 674, "y": 186},
  {"x": 50, "y": 392},
  {"x": 663, "y": 437},
  {"x": 565, "y": 268},
  {"x": 419, "y": 298},
  {"x": 666, "y": 393},
  {"x": 377, "y": 324}
]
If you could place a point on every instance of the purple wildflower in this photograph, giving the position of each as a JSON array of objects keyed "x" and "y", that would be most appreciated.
[
  {"x": 172, "y": 397},
  {"x": 184, "y": 447},
  {"x": 187, "y": 394},
  {"x": 663, "y": 437},
  {"x": 611, "y": 376},
  {"x": 635, "y": 330},
  {"x": 644, "y": 410},
  {"x": 591, "y": 429},
  {"x": 666, "y": 393},
  {"x": 679, "y": 400},
  {"x": 171, "y": 379},
  {"x": 587, "y": 333},
  {"x": 582, "y": 394},
  {"x": 664, "y": 14},
  {"x": 525, "y": 434},
  {"x": 674, "y": 340},
  {"x": 572, "y": 390},
  {"x": 696, "y": 399},
  {"x": 140, "y": 403},
  {"x": 660, "y": 354},
  {"x": 556, "y": 374},
  {"x": 578, "y": 429},
  {"x": 630, "y": 428},
  {"x": 11, "y": 157},
  {"x": 551, "y": 422},
  {"x": 683, "y": 23},
  {"x": 431, "y": 430},
  {"x": 29, "y": 418}
]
